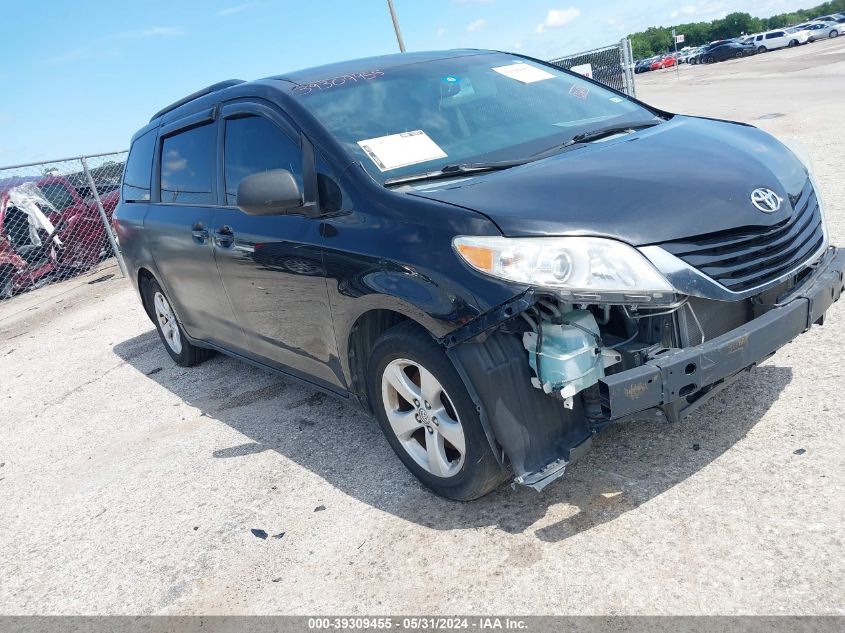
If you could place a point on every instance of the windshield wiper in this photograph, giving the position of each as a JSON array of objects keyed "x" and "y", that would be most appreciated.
[
  {"x": 595, "y": 135},
  {"x": 452, "y": 171}
]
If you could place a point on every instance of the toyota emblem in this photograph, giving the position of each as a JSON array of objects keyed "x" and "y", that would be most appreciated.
[{"x": 766, "y": 200}]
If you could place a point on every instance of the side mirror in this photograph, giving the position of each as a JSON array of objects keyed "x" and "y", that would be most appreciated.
[{"x": 272, "y": 192}]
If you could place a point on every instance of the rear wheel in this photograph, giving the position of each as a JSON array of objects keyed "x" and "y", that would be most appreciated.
[
  {"x": 833, "y": 34},
  {"x": 738, "y": 55},
  {"x": 792, "y": 44},
  {"x": 710, "y": 59},
  {"x": 428, "y": 417},
  {"x": 182, "y": 351}
]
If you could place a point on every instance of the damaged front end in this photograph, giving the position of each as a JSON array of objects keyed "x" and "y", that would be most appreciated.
[{"x": 551, "y": 368}]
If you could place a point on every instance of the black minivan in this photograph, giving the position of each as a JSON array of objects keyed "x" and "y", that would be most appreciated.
[{"x": 496, "y": 257}]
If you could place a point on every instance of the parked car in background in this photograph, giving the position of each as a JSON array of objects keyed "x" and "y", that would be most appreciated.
[
  {"x": 726, "y": 50},
  {"x": 48, "y": 226},
  {"x": 498, "y": 266},
  {"x": 644, "y": 65},
  {"x": 664, "y": 61},
  {"x": 839, "y": 18},
  {"x": 780, "y": 38},
  {"x": 28, "y": 239},
  {"x": 686, "y": 55},
  {"x": 819, "y": 30}
]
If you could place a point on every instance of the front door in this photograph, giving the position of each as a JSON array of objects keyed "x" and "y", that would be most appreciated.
[{"x": 271, "y": 266}]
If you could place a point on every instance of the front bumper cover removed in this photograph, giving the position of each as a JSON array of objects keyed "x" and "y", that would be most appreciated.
[
  {"x": 678, "y": 379},
  {"x": 540, "y": 437}
]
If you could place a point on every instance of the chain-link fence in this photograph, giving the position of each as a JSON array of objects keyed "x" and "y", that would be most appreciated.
[
  {"x": 55, "y": 219},
  {"x": 611, "y": 65}
]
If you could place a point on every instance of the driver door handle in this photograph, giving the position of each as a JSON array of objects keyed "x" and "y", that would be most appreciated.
[
  {"x": 199, "y": 233},
  {"x": 224, "y": 237}
]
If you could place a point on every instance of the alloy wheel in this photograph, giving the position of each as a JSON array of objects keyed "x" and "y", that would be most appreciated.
[
  {"x": 423, "y": 418},
  {"x": 167, "y": 322}
]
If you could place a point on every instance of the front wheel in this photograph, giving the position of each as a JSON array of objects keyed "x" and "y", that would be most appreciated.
[
  {"x": 761, "y": 49},
  {"x": 710, "y": 59},
  {"x": 182, "y": 351},
  {"x": 738, "y": 55},
  {"x": 428, "y": 417},
  {"x": 792, "y": 44},
  {"x": 833, "y": 34}
]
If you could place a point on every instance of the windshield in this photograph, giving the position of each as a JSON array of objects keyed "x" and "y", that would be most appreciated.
[{"x": 471, "y": 109}]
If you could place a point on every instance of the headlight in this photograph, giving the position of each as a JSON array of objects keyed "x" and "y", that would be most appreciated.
[{"x": 579, "y": 268}]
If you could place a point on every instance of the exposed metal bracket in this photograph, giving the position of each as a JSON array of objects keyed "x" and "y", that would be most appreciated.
[{"x": 489, "y": 320}]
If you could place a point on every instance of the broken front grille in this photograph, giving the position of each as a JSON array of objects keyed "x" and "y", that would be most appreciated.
[{"x": 745, "y": 258}]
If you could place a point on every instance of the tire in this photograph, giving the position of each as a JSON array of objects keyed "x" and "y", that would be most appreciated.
[
  {"x": 738, "y": 55},
  {"x": 833, "y": 34},
  {"x": 169, "y": 329},
  {"x": 710, "y": 60},
  {"x": 7, "y": 288},
  {"x": 762, "y": 49},
  {"x": 792, "y": 44},
  {"x": 406, "y": 360}
]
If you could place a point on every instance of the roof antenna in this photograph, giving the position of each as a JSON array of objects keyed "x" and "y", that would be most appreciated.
[{"x": 396, "y": 26}]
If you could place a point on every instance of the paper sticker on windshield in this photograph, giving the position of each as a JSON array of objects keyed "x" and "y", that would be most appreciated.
[
  {"x": 617, "y": 99},
  {"x": 401, "y": 150},
  {"x": 579, "y": 92},
  {"x": 524, "y": 73}
]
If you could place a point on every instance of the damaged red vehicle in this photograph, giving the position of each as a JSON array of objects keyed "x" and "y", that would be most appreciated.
[{"x": 49, "y": 228}]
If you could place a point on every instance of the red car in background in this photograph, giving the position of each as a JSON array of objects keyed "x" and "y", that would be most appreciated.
[
  {"x": 50, "y": 228},
  {"x": 667, "y": 61}
]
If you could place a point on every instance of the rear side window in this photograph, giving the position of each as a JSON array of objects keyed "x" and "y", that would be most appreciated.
[
  {"x": 187, "y": 165},
  {"x": 57, "y": 194},
  {"x": 139, "y": 165},
  {"x": 255, "y": 144}
]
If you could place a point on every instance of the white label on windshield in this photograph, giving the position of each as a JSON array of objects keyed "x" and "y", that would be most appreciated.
[
  {"x": 524, "y": 73},
  {"x": 401, "y": 150}
]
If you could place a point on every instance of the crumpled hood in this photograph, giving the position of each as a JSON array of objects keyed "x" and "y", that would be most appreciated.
[{"x": 682, "y": 178}]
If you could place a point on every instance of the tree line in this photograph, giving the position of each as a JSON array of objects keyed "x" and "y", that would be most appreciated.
[{"x": 658, "y": 39}]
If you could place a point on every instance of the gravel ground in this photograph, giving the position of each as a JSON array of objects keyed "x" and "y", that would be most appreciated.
[{"x": 129, "y": 485}]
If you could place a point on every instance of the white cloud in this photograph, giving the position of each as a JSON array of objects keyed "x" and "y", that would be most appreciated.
[
  {"x": 687, "y": 9},
  {"x": 155, "y": 31},
  {"x": 162, "y": 31},
  {"x": 237, "y": 8},
  {"x": 476, "y": 25},
  {"x": 557, "y": 18}
]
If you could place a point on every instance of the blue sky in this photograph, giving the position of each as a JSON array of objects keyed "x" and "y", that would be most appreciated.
[{"x": 81, "y": 77}]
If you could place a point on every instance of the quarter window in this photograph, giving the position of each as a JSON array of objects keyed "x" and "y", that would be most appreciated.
[
  {"x": 187, "y": 165},
  {"x": 139, "y": 166},
  {"x": 255, "y": 144}
]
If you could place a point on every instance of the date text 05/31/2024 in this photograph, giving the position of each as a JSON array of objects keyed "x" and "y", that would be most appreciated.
[{"x": 416, "y": 623}]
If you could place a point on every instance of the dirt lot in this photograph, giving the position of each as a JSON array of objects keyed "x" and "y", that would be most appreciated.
[{"x": 129, "y": 485}]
